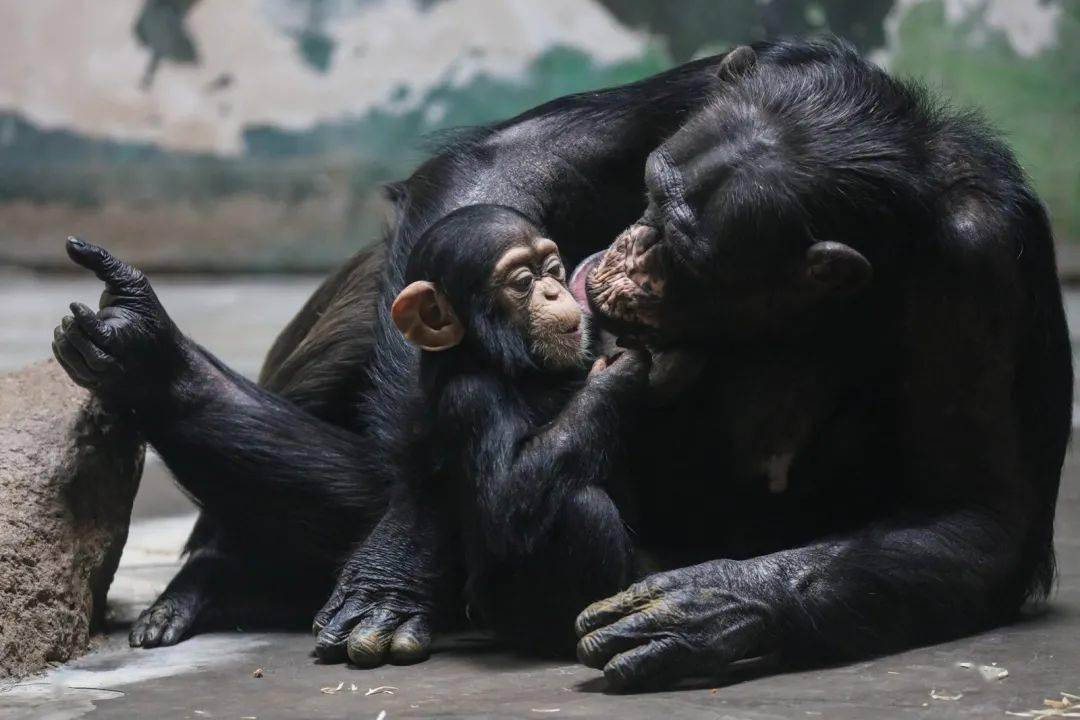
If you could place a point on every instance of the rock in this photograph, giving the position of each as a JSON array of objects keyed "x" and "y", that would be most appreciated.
[{"x": 68, "y": 475}]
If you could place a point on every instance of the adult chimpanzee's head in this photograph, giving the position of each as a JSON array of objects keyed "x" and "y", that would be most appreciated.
[
  {"x": 486, "y": 279},
  {"x": 762, "y": 207}
]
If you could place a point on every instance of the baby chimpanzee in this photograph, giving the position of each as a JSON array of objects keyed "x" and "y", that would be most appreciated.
[{"x": 523, "y": 439}]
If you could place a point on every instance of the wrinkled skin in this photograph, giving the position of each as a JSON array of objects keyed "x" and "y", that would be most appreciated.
[
  {"x": 130, "y": 336},
  {"x": 627, "y": 285},
  {"x": 691, "y": 622},
  {"x": 382, "y": 608}
]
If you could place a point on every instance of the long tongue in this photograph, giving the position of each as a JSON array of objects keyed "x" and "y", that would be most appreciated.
[{"x": 577, "y": 279}]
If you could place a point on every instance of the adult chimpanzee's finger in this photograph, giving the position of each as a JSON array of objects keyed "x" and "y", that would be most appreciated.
[
  {"x": 646, "y": 667},
  {"x": 117, "y": 274},
  {"x": 70, "y": 359},
  {"x": 96, "y": 358},
  {"x": 331, "y": 640},
  {"x": 412, "y": 641},
  {"x": 599, "y": 646},
  {"x": 637, "y": 597},
  {"x": 91, "y": 324},
  {"x": 370, "y": 639}
]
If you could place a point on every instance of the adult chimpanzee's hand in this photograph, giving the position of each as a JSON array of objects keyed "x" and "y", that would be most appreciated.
[
  {"x": 690, "y": 622},
  {"x": 127, "y": 349}
]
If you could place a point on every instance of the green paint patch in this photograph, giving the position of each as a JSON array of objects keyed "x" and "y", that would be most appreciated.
[
  {"x": 291, "y": 201},
  {"x": 1034, "y": 101}
]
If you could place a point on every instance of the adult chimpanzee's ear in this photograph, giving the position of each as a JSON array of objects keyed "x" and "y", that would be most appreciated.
[
  {"x": 835, "y": 268},
  {"x": 425, "y": 318},
  {"x": 737, "y": 63}
]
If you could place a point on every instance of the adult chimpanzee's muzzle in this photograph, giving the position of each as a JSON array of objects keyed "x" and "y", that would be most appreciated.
[{"x": 627, "y": 283}]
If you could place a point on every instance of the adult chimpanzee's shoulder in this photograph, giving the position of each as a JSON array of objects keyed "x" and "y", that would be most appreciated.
[{"x": 989, "y": 213}]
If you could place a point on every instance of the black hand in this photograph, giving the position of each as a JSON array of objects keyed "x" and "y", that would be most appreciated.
[
  {"x": 684, "y": 623},
  {"x": 130, "y": 349}
]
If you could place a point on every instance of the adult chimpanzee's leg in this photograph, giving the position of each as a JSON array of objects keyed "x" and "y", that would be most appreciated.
[
  {"x": 318, "y": 360},
  {"x": 293, "y": 486},
  {"x": 587, "y": 555}
]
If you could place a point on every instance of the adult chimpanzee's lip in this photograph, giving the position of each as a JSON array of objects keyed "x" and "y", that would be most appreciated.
[{"x": 580, "y": 274}]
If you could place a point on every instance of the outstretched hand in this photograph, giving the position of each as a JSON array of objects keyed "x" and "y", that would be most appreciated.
[{"x": 127, "y": 348}]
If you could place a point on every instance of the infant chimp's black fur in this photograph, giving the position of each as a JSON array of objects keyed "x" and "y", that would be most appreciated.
[{"x": 522, "y": 442}]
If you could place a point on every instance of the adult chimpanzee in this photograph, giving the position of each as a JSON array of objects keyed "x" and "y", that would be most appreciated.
[
  {"x": 872, "y": 283},
  {"x": 888, "y": 381},
  {"x": 512, "y": 427},
  {"x": 292, "y": 475}
]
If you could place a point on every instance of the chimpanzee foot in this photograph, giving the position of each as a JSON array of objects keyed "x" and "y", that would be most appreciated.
[
  {"x": 371, "y": 631},
  {"x": 166, "y": 622}
]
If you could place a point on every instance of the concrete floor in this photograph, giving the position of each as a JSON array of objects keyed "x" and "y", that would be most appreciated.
[{"x": 210, "y": 676}]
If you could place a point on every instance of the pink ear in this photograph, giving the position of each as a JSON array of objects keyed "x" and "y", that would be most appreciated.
[{"x": 425, "y": 318}]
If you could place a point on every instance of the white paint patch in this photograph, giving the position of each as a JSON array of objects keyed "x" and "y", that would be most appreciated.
[
  {"x": 1029, "y": 26},
  {"x": 75, "y": 64}
]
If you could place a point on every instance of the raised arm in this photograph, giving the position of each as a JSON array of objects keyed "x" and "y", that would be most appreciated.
[{"x": 226, "y": 440}]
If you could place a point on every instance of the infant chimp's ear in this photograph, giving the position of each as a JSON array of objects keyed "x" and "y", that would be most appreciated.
[{"x": 425, "y": 318}]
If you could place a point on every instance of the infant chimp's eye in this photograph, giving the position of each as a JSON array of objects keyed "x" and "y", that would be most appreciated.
[
  {"x": 521, "y": 282},
  {"x": 555, "y": 269}
]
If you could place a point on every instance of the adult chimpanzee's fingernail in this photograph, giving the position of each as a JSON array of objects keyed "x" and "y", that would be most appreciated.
[{"x": 75, "y": 241}]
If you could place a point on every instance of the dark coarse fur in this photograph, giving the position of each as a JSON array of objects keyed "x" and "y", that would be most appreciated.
[
  {"x": 525, "y": 455},
  {"x": 331, "y": 420},
  {"x": 923, "y": 412},
  {"x": 925, "y": 416}
]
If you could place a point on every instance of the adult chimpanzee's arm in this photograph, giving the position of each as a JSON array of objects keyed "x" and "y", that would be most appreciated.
[
  {"x": 234, "y": 447},
  {"x": 958, "y": 556}
]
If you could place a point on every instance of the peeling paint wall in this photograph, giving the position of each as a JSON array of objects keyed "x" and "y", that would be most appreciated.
[{"x": 253, "y": 134}]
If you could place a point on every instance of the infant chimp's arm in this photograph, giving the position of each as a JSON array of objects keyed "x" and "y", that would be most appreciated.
[
  {"x": 525, "y": 443},
  {"x": 543, "y": 537}
]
